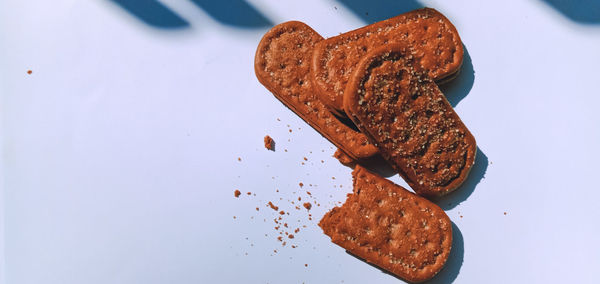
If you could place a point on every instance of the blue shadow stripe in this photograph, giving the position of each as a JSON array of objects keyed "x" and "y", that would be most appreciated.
[
  {"x": 582, "y": 11},
  {"x": 379, "y": 10},
  {"x": 152, "y": 13},
  {"x": 237, "y": 13}
]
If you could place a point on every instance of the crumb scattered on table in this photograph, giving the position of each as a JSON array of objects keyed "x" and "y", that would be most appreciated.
[{"x": 269, "y": 143}]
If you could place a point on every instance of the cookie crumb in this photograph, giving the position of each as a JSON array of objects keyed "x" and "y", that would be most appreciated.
[
  {"x": 29, "y": 72},
  {"x": 239, "y": 159},
  {"x": 237, "y": 193},
  {"x": 269, "y": 143},
  {"x": 249, "y": 193},
  {"x": 307, "y": 205},
  {"x": 301, "y": 184},
  {"x": 290, "y": 236},
  {"x": 273, "y": 206},
  {"x": 504, "y": 213}
]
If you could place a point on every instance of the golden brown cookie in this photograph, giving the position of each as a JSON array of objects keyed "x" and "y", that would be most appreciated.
[
  {"x": 403, "y": 112},
  {"x": 390, "y": 227},
  {"x": 437, "y": 45},
  {"x": 282, "y": 65}
]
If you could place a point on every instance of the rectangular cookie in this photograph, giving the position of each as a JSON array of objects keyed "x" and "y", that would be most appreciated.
[
  {"x": 390, "y": 227},
  {"x": 391, "y": 99},
  {"x": 437, "y": 45},
  {"x": 282, "y": 64}
]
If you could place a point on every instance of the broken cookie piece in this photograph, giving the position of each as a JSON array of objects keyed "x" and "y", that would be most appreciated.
[
  {"x": 269, "y": 143},
  {"x": 390, "y": 227}
]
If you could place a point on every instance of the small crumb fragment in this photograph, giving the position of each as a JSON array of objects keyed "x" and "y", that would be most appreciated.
[
  {"x": 239, "y": 159},
  {"x": 237, "y": 193},
  {"x": 306, "y": 265},
  {"x": 301, "y": 184},
  {"x": 504, "y": 213},
  {"x": 281, "y": 212},
  {"x": 234, "y": 217},
  {"x": 249, "y": 193},
  {"x": 290, "y": 236},
  {"x": 269, "y": 143},
  {"x": 273, "y": 206},
  {"x": 256, "y": 208},
  {"x": 305, "y": 159},
  {"x": 307, "y": 205},
  {"x": 29, "y": 72}
]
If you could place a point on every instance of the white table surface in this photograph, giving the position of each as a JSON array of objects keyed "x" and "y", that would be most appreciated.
[{"x": 120, "y": 150}]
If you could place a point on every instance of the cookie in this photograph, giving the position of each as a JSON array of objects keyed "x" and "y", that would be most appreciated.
[
  {"x": 390, "y": 227},
  {"x": 392, "y": 100},
  {"x": 344, "y": 158},
  {"x": 282, "y": 65},
  {"x": 437, "y": 45}
]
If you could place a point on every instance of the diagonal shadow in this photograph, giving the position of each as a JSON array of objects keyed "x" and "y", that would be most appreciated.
[
  {"x": 152, "y": 13},
  {"x": 379, "y": 10},
  {"x": 463, "y": 192},
  {"x": 237, "y": 13},
  {"x": 581, "y": 11},
  {"x": 458, "y": 88}
]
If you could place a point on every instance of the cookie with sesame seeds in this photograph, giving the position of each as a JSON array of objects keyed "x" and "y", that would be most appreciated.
[
  {"x": 391, "y": 228},
  {"x": 401, "y": 110},
  {"x": 438, "y": 47},
  {"x": 282, "y": 65}
]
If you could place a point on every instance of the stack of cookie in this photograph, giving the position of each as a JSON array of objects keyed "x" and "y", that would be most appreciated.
[{"x": 383, "y": 77}]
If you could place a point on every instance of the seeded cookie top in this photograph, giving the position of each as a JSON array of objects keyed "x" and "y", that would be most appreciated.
[
  {"x": 282, "y": 65},
  {"x": 437, "y": 45},
  {"x": 403, "y": 112},
  {"x": 391, "y": 227}
]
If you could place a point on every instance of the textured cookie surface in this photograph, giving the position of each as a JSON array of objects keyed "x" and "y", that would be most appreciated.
[
  {"x": 390, "y": 227},
  {"x": 437, "y": 45},
  {"x": 282, "y": 65},
  {"x": 405, "y": 114}
]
